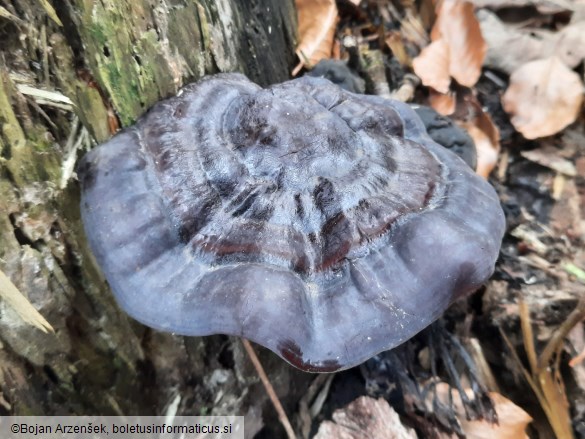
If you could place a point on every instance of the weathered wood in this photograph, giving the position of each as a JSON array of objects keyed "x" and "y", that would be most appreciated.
[{"x": 110, "y": 60}]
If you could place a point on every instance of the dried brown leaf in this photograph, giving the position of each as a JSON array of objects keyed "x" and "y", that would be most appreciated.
[
  {"x": 544, "y": 97},
  {"x": 443, "y": 103},
  {"x": 487, "y": 151},
  {"x": 565, "y": 215},
  {"x": 365, "y": 418},
  {"x": 432, "y": 66},
  {"x": 457, "y": 25},
  {"x": 510, "y": 47},
  {"x": 481, "y": 128},
  {"x": 512, "y": 420},
  {"x": 569, "y": 44},
  {"x": 396, "y": 45},
  {"x": 317, "y": 21}
]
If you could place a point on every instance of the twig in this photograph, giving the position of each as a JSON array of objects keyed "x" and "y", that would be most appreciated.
[
  {"x": 6, "y": 14},
  {"x": 269, "y": 389},
  {"x": 406, "y": 90},
  {"x": 322, "y": 396},
  {"x": 559, "y": 335},
  {"x": 50, "y": 11},
  {"x": 47, "y": 97},
  {"x": 304, "y": 413},
  {"x": 19, "y": 303}
]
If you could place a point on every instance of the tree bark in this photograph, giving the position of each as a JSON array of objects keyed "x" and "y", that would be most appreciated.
[{"x": 105, "y": 63}]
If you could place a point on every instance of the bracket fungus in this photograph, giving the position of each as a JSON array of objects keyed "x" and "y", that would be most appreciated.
[{"x": 322, "y": 224}]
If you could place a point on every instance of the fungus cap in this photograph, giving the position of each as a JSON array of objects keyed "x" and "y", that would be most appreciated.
[{"x": 322, "y": 224}]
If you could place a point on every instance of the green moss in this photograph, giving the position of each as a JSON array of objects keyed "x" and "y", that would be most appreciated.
[
  {"x": 30, "y": 156},
  {"x": 137, "y": 59},
  {"x": 109, "y": 40},
  {"x": 89, "y": 105},
  {"x": 10, "y": 130}
]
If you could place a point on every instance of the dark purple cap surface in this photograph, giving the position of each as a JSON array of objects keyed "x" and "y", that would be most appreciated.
[{"x": 322, "y": 224}]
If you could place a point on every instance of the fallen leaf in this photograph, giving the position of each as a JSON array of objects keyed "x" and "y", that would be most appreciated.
[
  {"x": 542, "y": 6},
  {"x": 569, "y": 44},
  {"x": 487, "y": 143},
  {"x": 565, "y": 215},
  {"x": 457, "y": 51},
  {"x": 543, "y": 97},
  {"x": 487, "y": 150},
  {"x": 317, "y": 21},
  {"x": 469, "y": 114},
  {"x": 512, "y": 420},
  {"x": 443, "y": 103},
  {"x": 396, "y": 45},
  {"x": 509, "y": 47},
  {"x": 457, "y": 25},
  {"x": 365, "y": 418},
  {"x": 432, "y": 66}
]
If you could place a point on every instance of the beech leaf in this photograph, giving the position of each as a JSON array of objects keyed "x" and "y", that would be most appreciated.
[
  {"x": 365, "y": 418},
  {"x": 543, "y": 97},
  {"x": 317, "y": 21},
  {"x": 457, "y": 25},
  {"x": 509, "y": 47},
  {"x": 512, "y": 420},
  {"x": 432, "y": 66}
]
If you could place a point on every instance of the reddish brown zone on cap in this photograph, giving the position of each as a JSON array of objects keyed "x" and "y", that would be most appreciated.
[{"x": 292, "y": 353}]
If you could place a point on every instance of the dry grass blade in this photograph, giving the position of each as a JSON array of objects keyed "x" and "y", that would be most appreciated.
[
  {"x": 8, "y": 15},
  {"x": 556, "y": 342},
  {"x": 545, "y": 378},
  {"x": 46, "y": 96},
  {"x": 50, "y": 11},
  {"x": 458, "y": 26},
  {"x": 21, "y": 305},
  {"x": 269, "y": 389},
  {"x": 528, "y": 336}
]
